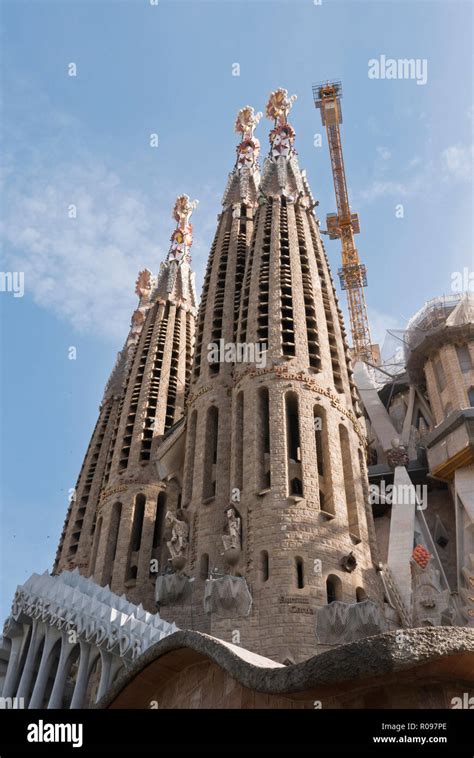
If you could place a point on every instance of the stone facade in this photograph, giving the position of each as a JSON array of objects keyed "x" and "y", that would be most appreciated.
[
  {"x": 115, "y": 525},
  {"x": 433, "y": 669},
  {"x": 276, "y": 439}
]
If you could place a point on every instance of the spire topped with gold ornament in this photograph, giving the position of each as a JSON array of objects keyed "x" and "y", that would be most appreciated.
[
  {"x": 175, "y": 279},
  {"x": 282, "y": 135},
  {"x": 243, "y": 182},
  {"x": 182, "y": 237},
  {"x": 248, "y": 148},
  {"x": 281, "y": 173}
]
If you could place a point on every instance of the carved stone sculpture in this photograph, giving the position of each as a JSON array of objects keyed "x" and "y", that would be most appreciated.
[
  {"x": 232, "y": 539},
  {"x": 430, "y": 601},
  {"x": 179, "y": 540}
]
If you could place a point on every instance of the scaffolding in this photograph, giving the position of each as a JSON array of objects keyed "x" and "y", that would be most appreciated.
[{"x": 429, "y": 319}]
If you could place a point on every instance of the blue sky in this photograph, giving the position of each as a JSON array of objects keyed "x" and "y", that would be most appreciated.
[{"x": 167, "y": 69}]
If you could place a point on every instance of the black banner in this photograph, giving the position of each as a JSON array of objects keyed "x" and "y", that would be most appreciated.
[{"x": 312, "y": 732}]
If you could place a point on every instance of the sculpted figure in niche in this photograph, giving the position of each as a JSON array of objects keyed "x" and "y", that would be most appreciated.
[
  {"x": 231, "y": 540},
  {"x": 179, "y": 536}
]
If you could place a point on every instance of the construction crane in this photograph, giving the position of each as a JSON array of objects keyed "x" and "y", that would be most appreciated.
[{"x": 344, "y": 224}]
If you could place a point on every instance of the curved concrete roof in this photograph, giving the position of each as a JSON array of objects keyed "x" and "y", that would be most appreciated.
[{"x": 447, "y": 651}]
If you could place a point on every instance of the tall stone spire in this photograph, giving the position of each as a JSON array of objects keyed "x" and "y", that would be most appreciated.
[
  {"x": 206, "y": 475},
  {"x": 275, "y": 483},
  {"x": 115, "y": 522},
  {"x": 220, "y": 301},
  {"x": 244, "y": 180}
]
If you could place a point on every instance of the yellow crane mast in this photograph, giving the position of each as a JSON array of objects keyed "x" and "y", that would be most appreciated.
[{"x": 344, "y": 224}]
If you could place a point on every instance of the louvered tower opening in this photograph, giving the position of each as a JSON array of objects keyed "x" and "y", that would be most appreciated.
[
  {"x": 189, "y": 353},
  {"x": 248, "y": 281},
  {"x": 308, "y": 295},
  {"x": 74, "y": 541},
  {"x": 336, "y": 366},
  {"x": 264, "y": 279},
  {"x": 240, "y": 266},
  {"x": 203, "y": 308},
  {"x": 152, "y": 399},
  {"x": 218, "y": 309},
  {"x": 135, "y": 396},
  {"x": 110, "y": 453},
  {"x": 286, "y": 294},
  {"x": 173, "y": 379},
  {"x": 92, "y": 456}
]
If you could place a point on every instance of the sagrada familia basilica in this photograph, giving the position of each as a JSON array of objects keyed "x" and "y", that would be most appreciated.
[{"x": 259, "y": 523}]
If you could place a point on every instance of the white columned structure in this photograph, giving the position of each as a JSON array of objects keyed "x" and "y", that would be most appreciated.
[
  {"x": 110, "y": 666},
  {"x": 85, "y": 664},
  {"x": 53, "y": 636},
  {"x": 57, "y": 693},
  {"x": 18, "y": 634},
  {"x": 37, "y": 635},
  {"x": 69, "y": 610}
]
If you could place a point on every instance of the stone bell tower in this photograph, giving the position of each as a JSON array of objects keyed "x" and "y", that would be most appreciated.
[
  {"x": 275, "y": 479},
  {"x": 208, "y": 458},
  {"x": 115, "y": 523}
]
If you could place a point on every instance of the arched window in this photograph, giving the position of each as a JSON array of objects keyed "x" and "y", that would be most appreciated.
[
  {"x": 299, "y": 572},
  {"x": 349, "y": 488},
  {"x": 292, "y": 426},
  {"x": 204, "y": 566},
  {"x": 112, "y": 542},
  {"x": 95, "y": 548},
  {"x": 239, "y": 440},
  {"x": 361, "y": 595},
  {"x": 156, "y": 550},
  {"x": 470, "y": 394},
  {"x": 318, "y": 420},
  {"x": 136, "y": 536},
  {"x": 263, "y": 438},
  {"x": 210, "y": 453},
  {"x": 138, "y": 515},
  {"x": 191, "y": 452},
  {"x": 333, "y": 588},
  {"x": 293, "y": 449},
  {"x": 321, "y": 436},
  {"x": 264, "y": 566}
]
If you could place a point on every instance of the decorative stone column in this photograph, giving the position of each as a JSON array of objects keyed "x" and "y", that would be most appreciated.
[
  {"x": 56, "y": 697},
  {"x": 37, "y": 634},
  {"x": 52, "y": 637}
]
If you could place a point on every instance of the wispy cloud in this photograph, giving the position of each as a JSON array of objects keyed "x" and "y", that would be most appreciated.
[
  {"x": 453, "y": 164},
  {"x": 383, "y": 152},
  {"x": 387, "y": 188},
  {"x": 84, "y": 268},
  {"x": 81, "y": 268},
  {"x": 457, "y": 161}
]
